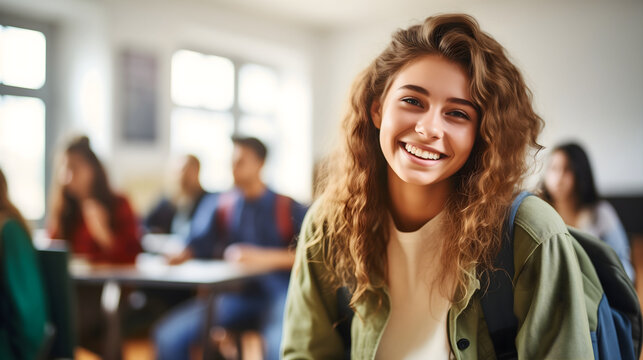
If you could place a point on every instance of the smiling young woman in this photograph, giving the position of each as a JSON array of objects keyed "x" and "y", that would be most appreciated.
[
  {"x": 436, "y": 140},
  {"x": 427, "y": 126}
]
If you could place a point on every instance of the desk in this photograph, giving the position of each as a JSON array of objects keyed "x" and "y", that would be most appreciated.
[{"x": 214, "y": 275}]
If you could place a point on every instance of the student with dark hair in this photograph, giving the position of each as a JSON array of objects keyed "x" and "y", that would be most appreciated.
[
  {"x": 97, "y": 222},
  {"x": 568, "y": 185},
  {"x": 23, "y": 310},
  {"x": 251, "y": 224},
  {"x": 253, "y": 144}
]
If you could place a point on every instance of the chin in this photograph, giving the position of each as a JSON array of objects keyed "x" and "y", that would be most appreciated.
[{"x": 417, "y": 179}]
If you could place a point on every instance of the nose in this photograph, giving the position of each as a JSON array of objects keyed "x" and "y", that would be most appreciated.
[{"x": 430, "y": 124}]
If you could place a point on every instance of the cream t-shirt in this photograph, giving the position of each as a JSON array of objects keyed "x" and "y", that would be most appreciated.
[{"x": 417, "y": 327}]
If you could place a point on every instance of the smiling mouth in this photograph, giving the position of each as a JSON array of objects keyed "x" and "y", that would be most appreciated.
[{"x": 422, "y": 154}]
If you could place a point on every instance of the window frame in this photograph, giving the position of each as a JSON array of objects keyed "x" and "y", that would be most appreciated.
[{"x": 43, "y": 93}]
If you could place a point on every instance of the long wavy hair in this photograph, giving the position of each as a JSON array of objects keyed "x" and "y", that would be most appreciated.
[
  {"x": 350, "y": 225},
  {"x": 70, "y": 213},
  {"x": 7, "y": 209}
]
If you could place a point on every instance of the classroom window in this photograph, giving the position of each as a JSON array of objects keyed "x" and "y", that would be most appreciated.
[
  {"x": 200, "y": 80},
  {"x": 23, "y": 117},
  {"x": 22, "y": 57},
  {"x": 205, "y": 134},
  {"x": 258, "y": 89},
  {"x": 216, "y": 97}
]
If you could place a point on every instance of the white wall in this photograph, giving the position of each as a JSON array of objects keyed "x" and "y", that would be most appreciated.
[{"x": 582, "y": 59}]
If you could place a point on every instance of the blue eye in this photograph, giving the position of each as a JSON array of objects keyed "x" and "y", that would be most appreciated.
[{"x": 412, "y": 101}]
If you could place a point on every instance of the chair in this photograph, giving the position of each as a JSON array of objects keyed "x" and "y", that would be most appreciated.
[{"x": 58, "y": 286}]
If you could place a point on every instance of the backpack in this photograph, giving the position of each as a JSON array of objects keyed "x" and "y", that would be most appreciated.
[
  {"x": 618, "y": 334},
  {"x": 283, "y": 217}
]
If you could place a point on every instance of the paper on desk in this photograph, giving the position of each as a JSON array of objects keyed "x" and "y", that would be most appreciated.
[{"x": 204, "y": 271}]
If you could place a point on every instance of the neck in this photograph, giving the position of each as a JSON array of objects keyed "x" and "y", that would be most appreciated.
[
  {"x": 82, "y": 197},
  {"x": 567, "y": 209},
  {"x": 187, "y": 196},
  {"x": 194, "y": 192},
  {"x": 253, "y": 189},
  {"x": 413, "y": 205}
]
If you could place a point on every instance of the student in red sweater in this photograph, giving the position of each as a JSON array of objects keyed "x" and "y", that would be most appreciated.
[{"x": 96, "y": 222}]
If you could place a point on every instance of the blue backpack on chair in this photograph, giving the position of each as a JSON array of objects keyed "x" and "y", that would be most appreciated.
[{"x": 618, "y": 334}]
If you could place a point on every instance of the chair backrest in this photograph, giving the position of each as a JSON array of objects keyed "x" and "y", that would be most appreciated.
[
  {"x": 58, "y": 285},
  {"x": 630, "y": 211}
]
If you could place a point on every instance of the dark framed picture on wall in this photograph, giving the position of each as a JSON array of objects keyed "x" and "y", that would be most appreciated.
[{"x": 138, "y": 97}]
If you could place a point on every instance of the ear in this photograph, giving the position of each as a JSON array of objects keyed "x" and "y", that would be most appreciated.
[{"x": 376, "y": 113}]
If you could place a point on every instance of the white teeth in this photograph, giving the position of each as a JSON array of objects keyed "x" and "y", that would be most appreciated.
[{"x": 421, "y": 153}]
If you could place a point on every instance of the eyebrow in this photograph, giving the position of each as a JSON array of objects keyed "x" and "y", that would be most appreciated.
[{"x": 424, "y": 91}]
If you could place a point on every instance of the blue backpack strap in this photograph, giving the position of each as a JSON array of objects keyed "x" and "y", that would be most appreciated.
[{"x": 498, "y": 298}]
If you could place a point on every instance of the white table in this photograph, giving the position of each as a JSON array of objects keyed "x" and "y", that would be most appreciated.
[{"x": 215, "y": 276}]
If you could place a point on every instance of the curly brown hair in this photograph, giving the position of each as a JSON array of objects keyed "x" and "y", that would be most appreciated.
[{"x": 350, "y": 217}]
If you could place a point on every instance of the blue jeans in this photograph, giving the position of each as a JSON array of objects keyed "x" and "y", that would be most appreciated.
[{"x": 183, "y": 327}]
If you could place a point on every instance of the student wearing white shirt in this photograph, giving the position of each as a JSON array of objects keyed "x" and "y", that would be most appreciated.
[{"x": 568, "y": 185}]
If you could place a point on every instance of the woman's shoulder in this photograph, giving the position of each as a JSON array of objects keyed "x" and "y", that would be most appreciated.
[
  {"x": 539, "y": 220},
  {"x": 123, "y": 214},
  {"x": 12, "y": 227},
  {"x": 12, "y": 233},
  {"x": 311, "y": 215},
  {"x": 120, "y": 198},
  {"x": 122, "y": 203},
  {"x": 604, "y": 209},
  {"x": 313, "y": 238},
  {"x": 604, "y": 219},
  {"x": 538, "y": 226}
]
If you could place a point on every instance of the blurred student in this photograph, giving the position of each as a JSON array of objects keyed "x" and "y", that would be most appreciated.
[
  {"x": 250, "y": 224},
  {"x": 173, "y": 215},
  {"x": 23, "y": 310},
  {"x": 568, "y": 185},
  {"x": 96, "y": 222}
]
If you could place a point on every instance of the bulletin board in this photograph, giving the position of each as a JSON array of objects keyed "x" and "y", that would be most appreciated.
[{"x": 138, "y": 97}]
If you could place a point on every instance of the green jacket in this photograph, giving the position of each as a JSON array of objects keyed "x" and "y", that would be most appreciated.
[
  {"x": 23, "y": 311},
  {"x": 555, "y": 303}
]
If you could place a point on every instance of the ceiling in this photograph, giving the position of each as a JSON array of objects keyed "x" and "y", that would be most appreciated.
[{"x": 326, "y": 14}]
